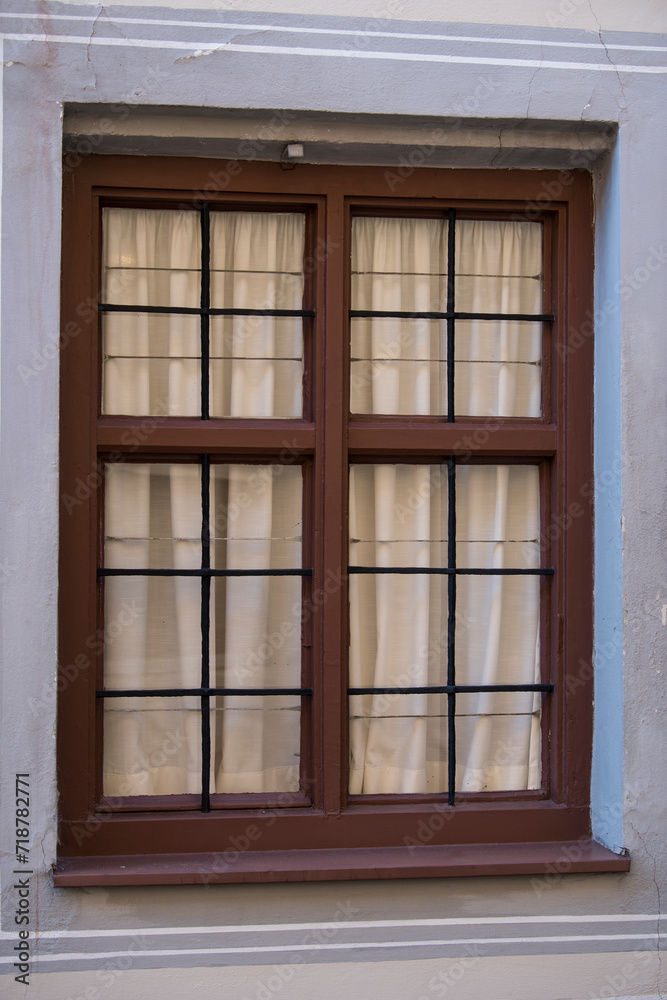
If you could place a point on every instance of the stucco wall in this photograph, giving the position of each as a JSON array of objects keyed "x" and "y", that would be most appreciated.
[
  {"x": 562, "y": 936},
  {"x": 610, "y": 15}
]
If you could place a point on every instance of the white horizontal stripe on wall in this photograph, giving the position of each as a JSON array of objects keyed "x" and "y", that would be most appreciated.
[
  {"x": 204, "y": 48},
  {"x": 345, "y": 32},
  {"x": 344, "y": 941}
]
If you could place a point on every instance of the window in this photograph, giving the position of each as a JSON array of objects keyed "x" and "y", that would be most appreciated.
[{"x": 326, "y": 541}]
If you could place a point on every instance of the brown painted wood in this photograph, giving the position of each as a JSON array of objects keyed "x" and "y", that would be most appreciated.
[
  {"x": 320, "y": 842},
  {"x": 175, "y": 435},
  {"x": 493, "y": 437},
  {"x": 549, "y": 859}
]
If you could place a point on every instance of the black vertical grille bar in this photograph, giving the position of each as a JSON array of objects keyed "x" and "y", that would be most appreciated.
[
  {"x": 205, "y": 306},
  {"x": 451, "y": 301},
  {"x": 451, "y": 627},
  {"x": 205, "y": 634}
]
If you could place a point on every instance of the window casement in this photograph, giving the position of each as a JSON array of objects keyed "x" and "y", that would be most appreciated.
[{"x": 326, "y": 527}]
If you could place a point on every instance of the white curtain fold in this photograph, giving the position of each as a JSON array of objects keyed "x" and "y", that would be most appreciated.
[
  {"x": 257, "y": 262},
  {"x": 153, "y": 512},
  {"x": 257, "y": 361},
  {"x": 260, "y": 735},
  {"x": 152, "y": 362},
  {"x": 498, "y": 362},
  {"x": 398, "y": 743},
  {"x": 398, "y": 511},
  {"x": 152, "y": 630},
  {"x": 388, "y": 733},
  {"x": 398, "y": 365}
]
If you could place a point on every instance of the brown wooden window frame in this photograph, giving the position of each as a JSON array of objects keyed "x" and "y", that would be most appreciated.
[{"x": 328, "y": 835}]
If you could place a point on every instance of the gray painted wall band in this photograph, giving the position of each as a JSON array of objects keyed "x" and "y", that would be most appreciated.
[{"x": 340, "y": 941}]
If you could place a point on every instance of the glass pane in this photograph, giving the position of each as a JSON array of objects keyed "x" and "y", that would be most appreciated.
[
  {"x": 256, "y": 366},
  {"x": 153, "y": 628},
  {"x": 152, "y": 746},
  {"x": 399, "y": 626},
  {"x": 498, "y": 368},
  {"x": 256, "y": 524},
  {"x": 257, "y": 746},
  {"x": 498, "y": 266},
  {"x": 498, "y": 516},
  {"x": 498, "y": 745},
  {"x": 152, "y": 624},
  {"x": 257, "y": 361},
  {"x": 398, "y": 623},
  {"x": 151, "y": 257},
  {"x": 398, "y": 744},
  {"x": 152, "y": 516},
  {"x": 497, "y": 629},
  {"x": 398, "y": 365},
  {"x": 152, "y": 631},
  {"x": 151, "y": 364},
  {"x": 411, "y": 247}
]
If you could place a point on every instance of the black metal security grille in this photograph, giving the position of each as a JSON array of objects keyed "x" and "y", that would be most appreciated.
[
  {"x": 205, "y": 692},
  {"x": 451, "y": 688},
  {"x": 205, "y": 310}
]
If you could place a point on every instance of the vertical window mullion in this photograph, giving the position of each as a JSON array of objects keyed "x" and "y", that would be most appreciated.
[
  {"x": 451, "y": 303},
  {"x": 205, "y": 306},
  {"x": 205, "y": 526},
  {"x": 451, "y": 627},
  {"x": 205, "y": 634},
  {"x": 451, "y": 513}
]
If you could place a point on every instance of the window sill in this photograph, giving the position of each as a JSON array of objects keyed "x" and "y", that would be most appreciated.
[{"x": 543, "y": 859}]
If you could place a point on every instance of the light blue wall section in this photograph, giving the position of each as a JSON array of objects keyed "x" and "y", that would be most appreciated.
[{"x": 607, "y": 774}]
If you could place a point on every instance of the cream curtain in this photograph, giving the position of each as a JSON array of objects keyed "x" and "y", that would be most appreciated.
[
  {"x": 398, "y": 513},
  {"x": 151, "y": 362},
  {"x": 153, "y": 512}
]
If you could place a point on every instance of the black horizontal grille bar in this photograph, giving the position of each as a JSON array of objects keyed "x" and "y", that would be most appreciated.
[
  {"x": 201, "y": 692},
  {"x": 397, "y": 314},
  {"x": 453, "y": 689},
  {"x": 204, "y": 572},
  {"x": 193, "y": 311},
  {"x": 451, "y": 571}
]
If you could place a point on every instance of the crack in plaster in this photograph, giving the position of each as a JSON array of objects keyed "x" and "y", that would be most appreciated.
[
  {"x": 500, "y": 144},
  {"x": 653, "y": 859},
  {"x": 237, "y": 37},
  {"x": 609, "y": 59},
  {"x": 531, "y": 81},
  {"x": 89, "y": 61}
]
